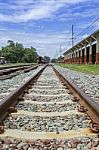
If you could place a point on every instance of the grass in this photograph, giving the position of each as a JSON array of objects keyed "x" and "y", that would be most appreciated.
[{"x": 91, "y": 69}]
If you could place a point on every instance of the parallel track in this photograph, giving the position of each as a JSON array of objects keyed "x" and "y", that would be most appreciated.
[
  {"x": 10, "y": 82},
  {"x": 46, "y": 115},
  {"x": 11, "y": 72}
]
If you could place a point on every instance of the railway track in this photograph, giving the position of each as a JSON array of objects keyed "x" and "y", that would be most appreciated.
[
  {"x": 48, "y": 113},
  {"x": 11, "y": 72},
  {"x": 9, "y": 85},
  {"x": 88, "y": 83}
]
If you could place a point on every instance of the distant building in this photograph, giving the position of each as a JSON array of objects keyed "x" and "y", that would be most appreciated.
[
  {"x": 41, "y": 60},
  {"x": 84, "y": 52},
  {"x": 2, "y": 60}
]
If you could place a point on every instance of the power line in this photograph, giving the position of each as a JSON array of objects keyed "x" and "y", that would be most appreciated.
[
  {"x": 88, "y": 27},
  {"x": 94, "y": 22}
]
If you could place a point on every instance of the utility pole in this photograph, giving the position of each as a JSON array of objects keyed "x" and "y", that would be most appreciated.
[
  {"x": 60, "y": 51},
  {"x": 73, "y": 41},
  {"x": 72, "y": 36}
]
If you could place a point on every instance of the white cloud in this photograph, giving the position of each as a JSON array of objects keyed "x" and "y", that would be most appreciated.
[
  {"x": 33, "y": 10},
  {"x": 45, "y": 43},
  {"x": 81, "y": 14}
]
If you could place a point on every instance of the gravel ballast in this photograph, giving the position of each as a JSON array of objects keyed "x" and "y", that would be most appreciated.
[{"x": 88, "y": 83}]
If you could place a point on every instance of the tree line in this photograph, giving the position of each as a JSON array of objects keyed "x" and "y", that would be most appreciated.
[
  {"x": 59, "y": 59},
  {"x": 15, "y": 52}
]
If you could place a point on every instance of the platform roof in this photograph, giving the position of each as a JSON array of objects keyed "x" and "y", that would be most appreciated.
[{"x": 86, "y": 40}]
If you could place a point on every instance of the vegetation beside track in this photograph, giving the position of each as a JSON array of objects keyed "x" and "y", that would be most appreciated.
[
  {"x": 15, "y": 52},
  {"x": 92, "y": 69}
]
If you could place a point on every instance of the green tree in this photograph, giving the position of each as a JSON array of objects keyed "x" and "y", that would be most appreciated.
[
  {"x": 47, "y": 58},
  {"x": 15, "y": 52},
  {"x": 19, "y": 52},
  {"x": 54, "y": 60}
]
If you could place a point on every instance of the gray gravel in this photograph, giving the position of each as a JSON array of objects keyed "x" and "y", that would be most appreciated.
[
  {"x": 47, "y": 99},
  {"x": 6, "y": 86},
  {"x": 48, "y": 92},
  {"x": 84, "y": 143},
  {"x": 86, "y": 82},
  {"x": 48, "y": 84},
  {"x": 46, "y": 107},
  {"x": 48, "y": 124}
]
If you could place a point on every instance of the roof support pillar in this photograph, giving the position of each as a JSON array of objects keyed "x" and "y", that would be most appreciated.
[
  {"x": 85, "y": 58},
  {"x": 97, "y": 50},
  {"x": 81, "y": 55},
  {"x": 90, "y": 52},
  {"x": 77, "y": 56}
]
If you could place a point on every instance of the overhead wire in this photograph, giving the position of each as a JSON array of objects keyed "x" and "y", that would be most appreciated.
[
  {"x": 85, "y": 30},
  {"x": 88, "y": 28},
  {"x": 93, "y": 23}
]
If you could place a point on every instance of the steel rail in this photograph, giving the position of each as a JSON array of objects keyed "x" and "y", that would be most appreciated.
[
  {"x": 11, "y": 70},
  {"x": 12, "y": 98},
  {"x": 15, "y": 66},
  {"x": 30, "y": 68},
  {"x": 15, "y": 73},
  {"x": 91, "y": 107}
]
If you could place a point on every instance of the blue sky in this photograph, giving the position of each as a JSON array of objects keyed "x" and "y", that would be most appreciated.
[{"x": 45, "y": 24}]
